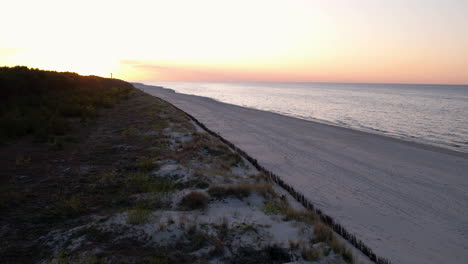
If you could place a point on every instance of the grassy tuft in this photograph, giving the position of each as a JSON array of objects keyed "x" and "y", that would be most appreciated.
[
  {"x": 22, "y": 160},
  {"x": 147, "y": 164},
  {"x": 305, "y": 216},
  {"x": 140, "y": 182},
  {"x": 107, "y": 178},
  {"x": 138, "y": 216},
  {"x": 274, "y": 206},
  {"x": 322, "y": 233},
  {"x": 130, "y": 131}
]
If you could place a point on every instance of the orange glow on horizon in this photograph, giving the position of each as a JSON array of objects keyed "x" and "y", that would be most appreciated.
[{"x": 213, "y": 40}]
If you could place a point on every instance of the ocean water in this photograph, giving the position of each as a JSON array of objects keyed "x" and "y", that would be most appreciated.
[{"x": 432, "y": 114}]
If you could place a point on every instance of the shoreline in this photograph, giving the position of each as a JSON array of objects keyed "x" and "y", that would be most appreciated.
[
  {"x": 381, "y": 183},
  {"x": 145, "y": 183},
  {"x": 372, "y": 131},
  {"x": 300, "y": 198}
]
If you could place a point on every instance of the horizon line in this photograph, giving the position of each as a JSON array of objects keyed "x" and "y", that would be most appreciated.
[{"x": 396, "y": 83}]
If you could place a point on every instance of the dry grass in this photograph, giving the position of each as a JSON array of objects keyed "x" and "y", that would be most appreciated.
[
  {"x": 258, "y": 177},
  {"x": 322, "y": 233},
  {"x": 340, "y": 249},
  {"x": 305, "y": 216},
  {"x": 203, "y": 147},
  {"x": 194, "y": 200}
]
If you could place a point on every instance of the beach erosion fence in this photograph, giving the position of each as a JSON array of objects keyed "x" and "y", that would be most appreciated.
[{"x": 326, "y": 219}]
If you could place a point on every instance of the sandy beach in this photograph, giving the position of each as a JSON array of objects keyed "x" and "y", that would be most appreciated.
[{"x": 407, "y": 201}]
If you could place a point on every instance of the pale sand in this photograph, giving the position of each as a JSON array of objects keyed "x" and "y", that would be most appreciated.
[{"x": 407, "y": 201}]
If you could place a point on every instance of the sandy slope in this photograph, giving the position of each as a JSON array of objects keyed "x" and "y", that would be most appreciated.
[{"x": 407, "y": 201}]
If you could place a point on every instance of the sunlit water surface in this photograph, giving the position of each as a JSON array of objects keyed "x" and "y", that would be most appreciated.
[{"x": 434, "y": 114}]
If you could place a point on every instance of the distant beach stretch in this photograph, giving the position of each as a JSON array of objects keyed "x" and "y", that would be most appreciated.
[
  {"x": 406, "y": 200},
  {"x": 426, "y": 113}
]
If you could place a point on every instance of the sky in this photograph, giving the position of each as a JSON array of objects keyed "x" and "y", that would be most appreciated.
[{"x": 398, "y": 41}]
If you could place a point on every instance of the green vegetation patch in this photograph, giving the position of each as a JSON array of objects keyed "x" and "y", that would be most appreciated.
[
  {"x": 40, "y": 103},
  {"x": 138, "y": 216},
  {"x": 140, "y": 182}
]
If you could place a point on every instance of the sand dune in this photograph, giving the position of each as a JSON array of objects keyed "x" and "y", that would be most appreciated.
[{"x": 407, "y": 201}]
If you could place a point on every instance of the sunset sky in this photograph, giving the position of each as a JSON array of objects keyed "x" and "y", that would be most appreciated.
[{"x": 398, "y": 41}]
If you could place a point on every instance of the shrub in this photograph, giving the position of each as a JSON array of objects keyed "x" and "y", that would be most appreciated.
[
  {"x": 311, "y": 254},
  {"x": 240, "y": 190},
  {"x": 221, "y": 191},
  {"x": 194, "y": 200}
]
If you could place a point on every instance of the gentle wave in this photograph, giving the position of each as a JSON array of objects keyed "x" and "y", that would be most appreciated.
[{"x": 432, "y": 114}]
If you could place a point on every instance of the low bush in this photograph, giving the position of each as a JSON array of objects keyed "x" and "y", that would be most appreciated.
[
  {"x": 311, "y": 254},
  {"x": 221, "y": 191},
  {"x": 240, "y": 190},
  {"x": 194, "y": 200}
]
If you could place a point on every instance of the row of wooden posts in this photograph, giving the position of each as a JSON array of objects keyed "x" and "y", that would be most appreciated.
[{"x": 328, "y": 220}]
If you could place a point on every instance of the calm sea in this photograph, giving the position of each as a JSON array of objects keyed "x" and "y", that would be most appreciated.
[{"x": 434, "y": 114}]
